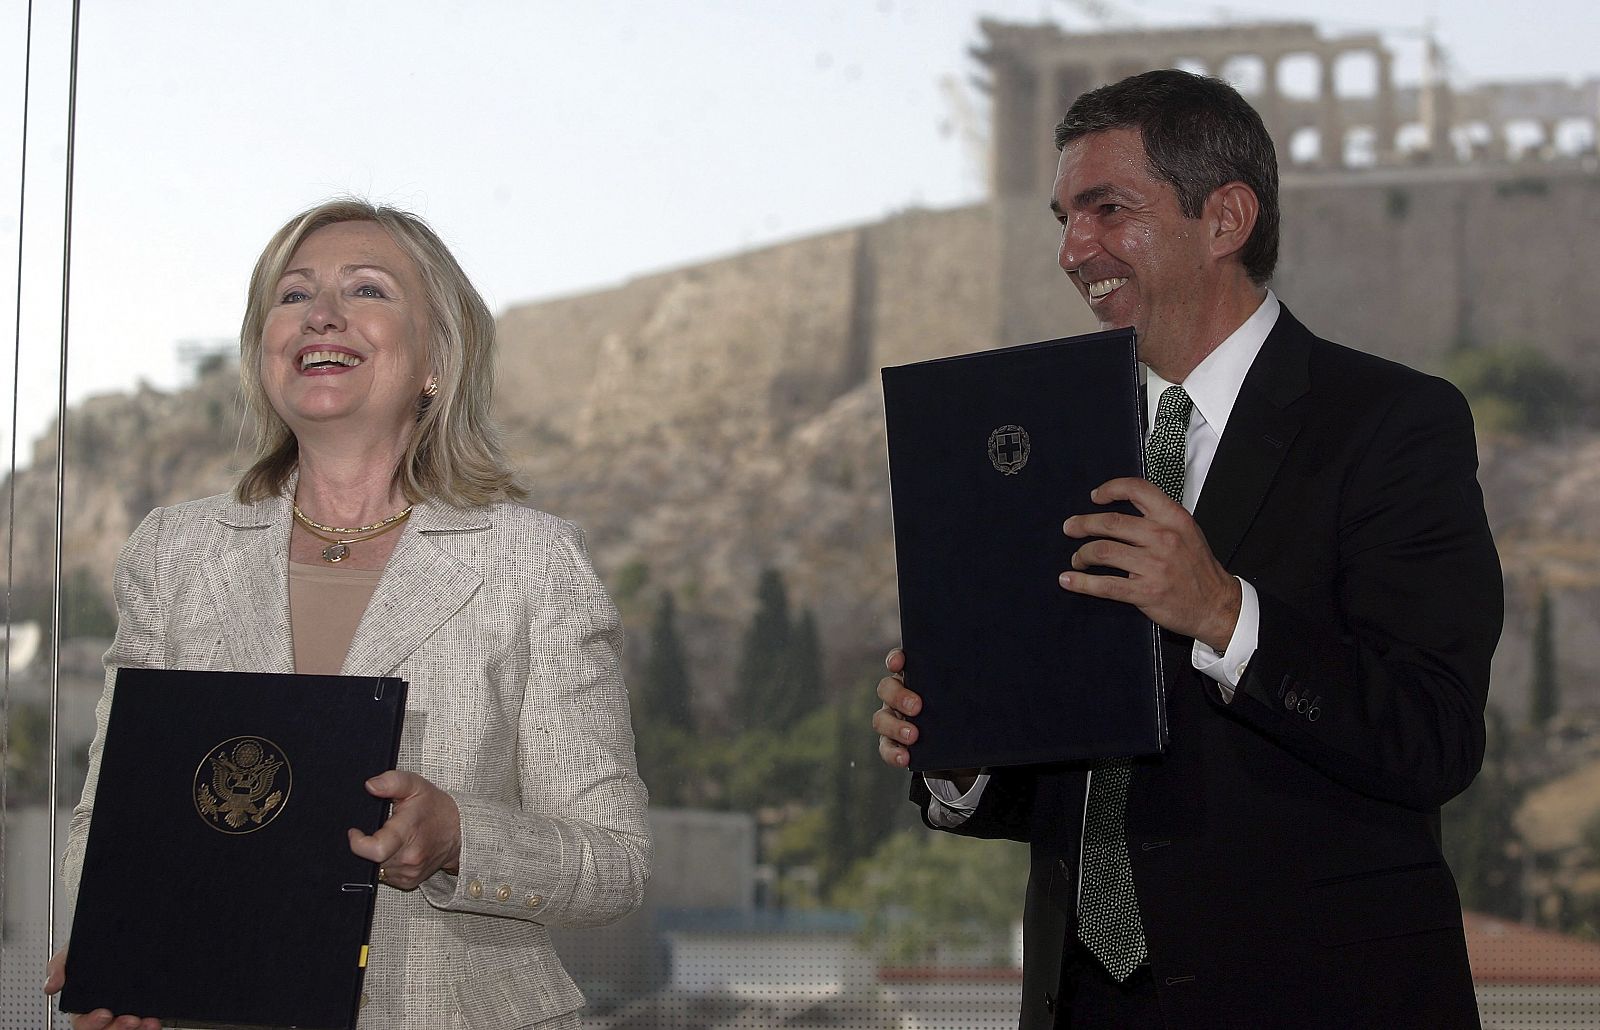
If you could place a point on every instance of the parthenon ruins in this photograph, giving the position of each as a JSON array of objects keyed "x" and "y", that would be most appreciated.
[{"x": 1330, "y": 101}]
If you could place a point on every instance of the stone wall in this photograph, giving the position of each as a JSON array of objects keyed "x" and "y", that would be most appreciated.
[
  {"x": 1408, "y": 263},
  {"x": 1412, "y": 264}
]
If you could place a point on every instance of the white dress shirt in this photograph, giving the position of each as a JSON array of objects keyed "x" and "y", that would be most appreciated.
[{"x": 1213, "y": 386}]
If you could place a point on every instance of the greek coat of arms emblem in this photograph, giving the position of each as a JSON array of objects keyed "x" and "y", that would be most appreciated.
[
  {"x": 242, "y": 785},
  {"x": 1009, "y": 449}
]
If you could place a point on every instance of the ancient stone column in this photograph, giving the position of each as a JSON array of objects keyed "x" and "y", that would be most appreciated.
[
  {"x": 1385, "y": 120},
  {"x": 1270, "y": 105},
  {"x": 1330, "y": 120}
]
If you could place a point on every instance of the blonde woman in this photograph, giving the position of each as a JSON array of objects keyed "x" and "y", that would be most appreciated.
[{"x": 376, "y": 534}]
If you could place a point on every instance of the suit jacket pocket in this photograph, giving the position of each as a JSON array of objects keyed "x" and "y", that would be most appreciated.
[
  {"x": 1382, "y": 903},
  {"x": 515, "y": 983}
]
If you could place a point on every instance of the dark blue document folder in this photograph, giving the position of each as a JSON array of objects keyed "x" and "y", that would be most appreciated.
[
  {"x": 218, "y": 884},
  {"x": 989, "y": 453}
]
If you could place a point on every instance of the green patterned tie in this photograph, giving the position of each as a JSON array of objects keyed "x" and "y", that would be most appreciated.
[{"x": 1108, "y": 907}]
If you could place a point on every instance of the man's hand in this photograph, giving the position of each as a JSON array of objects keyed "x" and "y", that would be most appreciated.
[
  {"x": 895, "y": 732},
  {"x": 421, "y": 836},
  {"x": 1172, "y": 575},
  {"x": 55, "y": 978}
]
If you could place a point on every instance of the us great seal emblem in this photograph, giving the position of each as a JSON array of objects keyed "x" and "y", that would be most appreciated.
[
  {"x": 242, "y": 785},
  {"x": 1008, "y": 449}
]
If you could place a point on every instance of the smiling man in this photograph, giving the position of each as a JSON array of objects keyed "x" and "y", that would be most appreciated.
[{"x": 1313, "y": 544}]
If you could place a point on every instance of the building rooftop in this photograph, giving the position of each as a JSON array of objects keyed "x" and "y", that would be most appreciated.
[{"x": 1504, "y": 952}]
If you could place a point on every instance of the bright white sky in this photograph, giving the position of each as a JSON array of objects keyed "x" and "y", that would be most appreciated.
[{"x": 558, "y": 146}]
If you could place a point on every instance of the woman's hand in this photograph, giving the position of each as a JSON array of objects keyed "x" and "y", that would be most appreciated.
[
  {"x": 55, "y": 978},
  {"x": 422, "y": 835}
]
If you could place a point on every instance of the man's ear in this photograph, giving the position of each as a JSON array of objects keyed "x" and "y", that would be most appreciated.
[{"x": 1231, "y": 212}]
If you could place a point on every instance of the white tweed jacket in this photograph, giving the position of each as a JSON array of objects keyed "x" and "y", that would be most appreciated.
[{"x": 496, "y": 619}]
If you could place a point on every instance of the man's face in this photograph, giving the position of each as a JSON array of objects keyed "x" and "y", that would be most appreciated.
[{"x": 1128, "y": 248}]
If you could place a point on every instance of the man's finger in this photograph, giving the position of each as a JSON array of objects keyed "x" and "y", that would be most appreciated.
[
  {"x": 895, "y": 660},
  {"x": 889, "y": 724},
  {"x": 1115, "y": 588},
  {"x": 1143, "y": 494},
  {"x": 894, "y": 694},
  {"x": 1137, "y": 562}
]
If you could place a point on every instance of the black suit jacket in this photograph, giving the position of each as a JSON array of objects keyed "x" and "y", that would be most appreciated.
[{"x": 1286, "y": 848}]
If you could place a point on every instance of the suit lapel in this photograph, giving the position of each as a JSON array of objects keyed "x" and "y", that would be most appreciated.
[
  {"x": 249, "y": 586},
  {"x": 422, "y": 587},
  {"x": 1261, "y": 428}
]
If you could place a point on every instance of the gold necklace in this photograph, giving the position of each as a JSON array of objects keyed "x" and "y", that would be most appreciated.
[
  {"x": 352, "y": 530},
  {"x": 338, "y": 550}
]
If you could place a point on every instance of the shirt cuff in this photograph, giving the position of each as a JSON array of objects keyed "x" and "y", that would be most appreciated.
[
  {"x": 1227, "y": 668},
  {"x": 947, "y": 807}
]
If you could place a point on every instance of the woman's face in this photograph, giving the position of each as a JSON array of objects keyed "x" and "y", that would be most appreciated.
[{"x": 344, "y": 344}]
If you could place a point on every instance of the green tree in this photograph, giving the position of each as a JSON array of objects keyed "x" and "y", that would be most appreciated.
[
  {"x": 801, "y": 671},
  {"x": 775, "y": 767},
  {"x": 865, "y": 800},
  {"x": 663, "y": 717},
  {"x": 1480, "y": 836},
  {"x": 85, "y": 610},
  {"x": 928, "y": 898},
  {"x": 27, "y": 766},
  {"x": 1515, "y": 388},
  {"x": 665, "y": 691},
  {"x": 631, "y": 579},
  {"x": 763, "y": 660},
  {"x": 1544, "y": 694}
]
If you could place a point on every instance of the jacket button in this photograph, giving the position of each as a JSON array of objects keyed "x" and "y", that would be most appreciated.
[
  {"x": 534, "y": 901},
  {"x": 1290, "y": 700},
  {"x": 474, "y": 890},
  {"x": 503, "y": 894},
  {"x": 1049, "y": 1002}
]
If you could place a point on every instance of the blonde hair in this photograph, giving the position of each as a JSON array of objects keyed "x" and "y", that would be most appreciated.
[{"x": 455, "y": 455}]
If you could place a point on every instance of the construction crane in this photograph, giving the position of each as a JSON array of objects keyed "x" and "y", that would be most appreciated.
[
  {"x": 1101, "y": 12},
  {"x": 963, "y": 121}
]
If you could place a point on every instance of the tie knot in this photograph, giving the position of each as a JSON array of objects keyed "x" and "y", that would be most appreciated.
[{"x": 1173, "y": 407}]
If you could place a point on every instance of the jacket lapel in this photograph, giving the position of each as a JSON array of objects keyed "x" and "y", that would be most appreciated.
[
  {"x": 249, "y": 586},
  {"x": 422, "y": 587},
  {"x": 1261, "y": 428}
]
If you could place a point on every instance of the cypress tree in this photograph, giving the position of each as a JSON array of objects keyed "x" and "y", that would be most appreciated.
[
  {"x": 1481, "y": 842},
  {"x": 764, "y": 659},
  {"x": 802, "y": 672},
  {"x": 666, "y": 690},
  {"x": 1544, "y": 695}
]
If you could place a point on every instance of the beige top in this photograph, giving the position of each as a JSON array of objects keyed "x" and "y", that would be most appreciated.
[{"x": 326, "y": 603}]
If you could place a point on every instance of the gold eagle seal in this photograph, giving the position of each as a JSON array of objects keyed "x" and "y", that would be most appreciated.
[{"x": 242, "y": 784}]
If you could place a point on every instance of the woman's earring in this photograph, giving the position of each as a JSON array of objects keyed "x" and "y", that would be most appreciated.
[{"x": 432, "y": 389}]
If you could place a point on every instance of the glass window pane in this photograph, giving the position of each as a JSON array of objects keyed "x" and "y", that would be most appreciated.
[{"x": 701, "y": 229}]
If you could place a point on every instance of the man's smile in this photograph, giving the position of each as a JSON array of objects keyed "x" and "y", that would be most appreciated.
[{"x": 1101, "y": 287}]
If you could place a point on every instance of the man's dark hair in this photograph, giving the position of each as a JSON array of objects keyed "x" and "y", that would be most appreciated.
[{"x": 1199, "y": 134}]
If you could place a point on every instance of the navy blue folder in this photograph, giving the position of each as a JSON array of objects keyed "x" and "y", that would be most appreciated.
[
  {"x": 218, "y": 884},
  {"x": 989, "y": 453}
]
